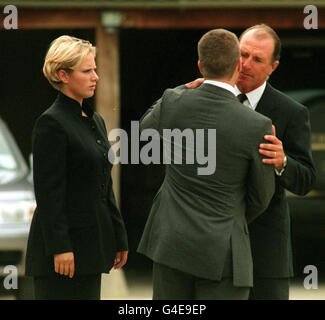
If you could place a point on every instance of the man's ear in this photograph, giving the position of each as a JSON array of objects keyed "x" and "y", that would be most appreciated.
[
  {"x": 63, "y": 76},
  {"x": 239, "y": 64},
  {"x": 274, "y": 66},
  {"x": 200, "y": 67}
]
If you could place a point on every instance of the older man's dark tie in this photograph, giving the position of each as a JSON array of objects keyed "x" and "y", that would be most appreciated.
[{"x": 242, "y": 97}]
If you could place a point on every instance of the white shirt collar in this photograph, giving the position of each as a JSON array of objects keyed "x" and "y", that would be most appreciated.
[
  {"x": 222, "y": 85},
  {"x": 253, "y": 96}
]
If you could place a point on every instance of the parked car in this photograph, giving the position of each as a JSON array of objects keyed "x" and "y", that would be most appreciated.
[
  {"x": 308, "y": 213},
  {"x": 17, "y": 204}
]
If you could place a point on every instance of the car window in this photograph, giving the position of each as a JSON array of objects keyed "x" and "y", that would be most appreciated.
[
  {"x": 7, "y": 160},
  {"x": 9, "y": 168}
]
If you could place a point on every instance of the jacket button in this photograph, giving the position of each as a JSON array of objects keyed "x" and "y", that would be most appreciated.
[{"x": 99, "y": 142}]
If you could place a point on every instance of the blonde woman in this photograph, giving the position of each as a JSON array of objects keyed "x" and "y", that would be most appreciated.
[{"x": 77, "y": 232}]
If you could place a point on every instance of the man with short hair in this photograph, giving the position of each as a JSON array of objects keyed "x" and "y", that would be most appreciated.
[
  {"x": 196, "y": 233},
  {"x": 288, "y": 150}
]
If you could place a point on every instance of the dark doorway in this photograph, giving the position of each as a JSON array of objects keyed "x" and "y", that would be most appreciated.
[{"x": 150, "y": 62}]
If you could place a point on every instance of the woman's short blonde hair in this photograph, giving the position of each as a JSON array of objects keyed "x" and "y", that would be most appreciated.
[{"x": 65, "y": 53}]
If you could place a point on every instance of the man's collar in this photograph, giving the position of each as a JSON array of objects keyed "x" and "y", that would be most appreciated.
[
  {"x": 221, "y": 84},
  {"x": 253, "y": 96}
]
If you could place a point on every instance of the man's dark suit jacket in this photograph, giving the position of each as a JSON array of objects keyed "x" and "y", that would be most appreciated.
[
  {"x": 76, "y": 209},
  {"x": 270, "y": 232},
  {"x": 196, "y": 220}
]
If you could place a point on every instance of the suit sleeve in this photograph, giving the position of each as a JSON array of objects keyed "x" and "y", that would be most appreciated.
[
  {"x": 119, "y": 227},
  {"x": 49, "y": 170},
  {"x": 260, "y": 180},
  {"x": 151, "y": 117},
  {"x": 299, "y": 175}
]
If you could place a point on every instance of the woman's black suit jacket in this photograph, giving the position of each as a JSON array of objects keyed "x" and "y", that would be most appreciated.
[{"x": 76, "y": 209}]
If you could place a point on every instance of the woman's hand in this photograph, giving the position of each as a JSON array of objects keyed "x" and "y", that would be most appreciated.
[
  {"x": 120, "y": 259},
  {"x": 64, "y": 263}
]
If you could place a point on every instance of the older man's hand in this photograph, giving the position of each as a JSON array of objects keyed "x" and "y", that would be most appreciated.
[
  {"x": 273, "y": 150},
  {"x": 194, "y": 84}
]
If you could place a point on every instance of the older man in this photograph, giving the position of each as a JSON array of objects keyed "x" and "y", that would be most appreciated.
[{"x": 289, "y": 151}]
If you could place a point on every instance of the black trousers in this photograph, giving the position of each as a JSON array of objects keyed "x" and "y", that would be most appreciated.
[
  {"x": 172, "y": 284},
  {"x": 58, "y": 287},
  {"x": 270, "y": 289}
]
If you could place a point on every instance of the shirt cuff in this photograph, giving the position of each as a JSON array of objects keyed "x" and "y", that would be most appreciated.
[
  {"x": 284, "y": 166},
  {"x": 279, "y": 174}
]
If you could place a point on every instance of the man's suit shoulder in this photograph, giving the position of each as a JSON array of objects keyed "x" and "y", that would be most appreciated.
[
  {"x": 249, "y": 116},
  {"x": 252, "y": 115},
  {"x": 175, "y": 92},
  {"x": 282, "y": 100},
  {"x": 185, "y": 94},
  {"x": 255, "y": 122}
]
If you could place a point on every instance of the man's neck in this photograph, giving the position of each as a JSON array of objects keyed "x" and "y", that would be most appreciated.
[
  {"x": 232, "y": 83},
  {"x": 221, "y": 84}
]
